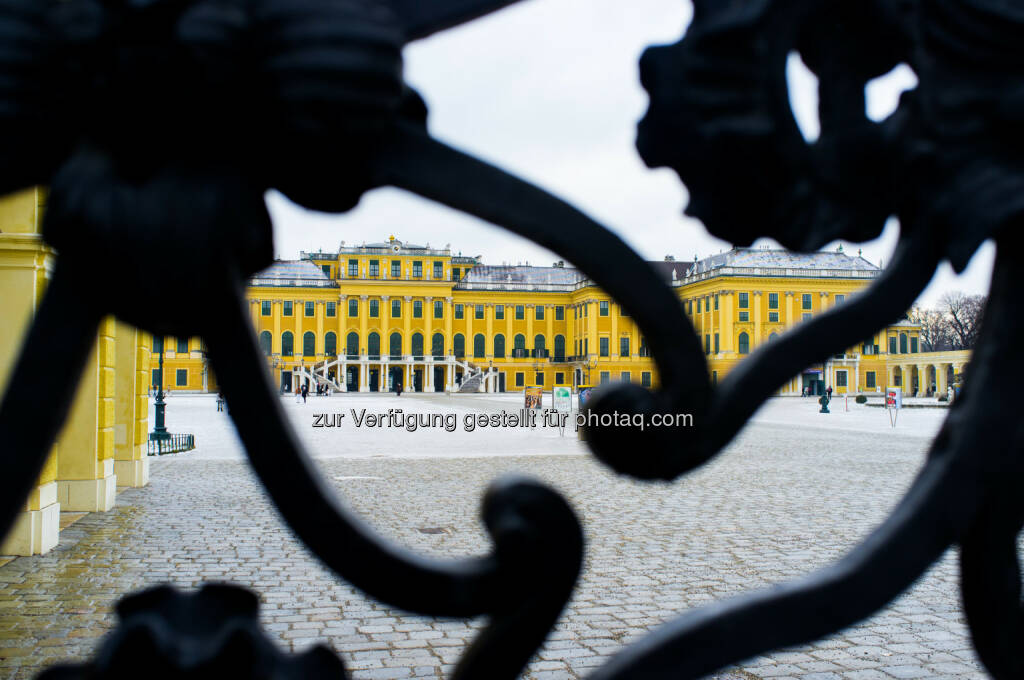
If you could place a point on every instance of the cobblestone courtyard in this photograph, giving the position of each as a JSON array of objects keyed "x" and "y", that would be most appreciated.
[{"x": 778, "y": 503}]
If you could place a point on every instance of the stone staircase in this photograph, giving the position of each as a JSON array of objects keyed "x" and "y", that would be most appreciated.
[{"x": 472, "y": 383}]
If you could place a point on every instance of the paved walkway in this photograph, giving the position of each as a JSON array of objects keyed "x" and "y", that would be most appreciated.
[{"x": 778, "y": 503}]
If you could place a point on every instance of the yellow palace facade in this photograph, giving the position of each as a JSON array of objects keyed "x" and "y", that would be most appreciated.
[{"x": 371, "y": 317}]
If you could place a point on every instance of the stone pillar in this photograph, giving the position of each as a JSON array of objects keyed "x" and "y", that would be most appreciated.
[
  {"x": 727, "y": 304},
  {"x": 756, "y": 340},
  {"x": 275, "y": 342},
  {"x": 591, "y": 333},
  {"x": 789, "y": 308},
  {"x": 613, "y": 341},
  {"x": 320, "y": 310},
  {"x": 489, "y": 336},
  {"x": 131, "y": 406},
  {"x": 428, "y": 330},
  {"x": 940, "y": 379},
  {"x": 407, "y": 331},
  {"x": 364, "y": 343},
  {"x": 549, "y": 334},
  {"x": 449, "y": 337},
  {"x": 470, "y": 314},
  {"x": 85, "y": 467},
  {"x": 26, "y": 263}
]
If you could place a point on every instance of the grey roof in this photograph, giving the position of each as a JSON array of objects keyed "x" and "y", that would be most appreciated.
[
  {"x": 294, "y": 273},
  {"x": 396, "y": 242},
  {"x": 541, "y": 277},
  {"x": 784, "y": 259}
]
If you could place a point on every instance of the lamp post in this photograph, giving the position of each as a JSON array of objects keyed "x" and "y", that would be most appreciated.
[{"x": 160, "y": 432}]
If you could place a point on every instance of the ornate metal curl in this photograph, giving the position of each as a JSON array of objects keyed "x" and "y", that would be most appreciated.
[{"x": 141, "y": 164}]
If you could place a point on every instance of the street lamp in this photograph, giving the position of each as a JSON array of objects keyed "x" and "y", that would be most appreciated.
[{"x": 160, "y": 433}]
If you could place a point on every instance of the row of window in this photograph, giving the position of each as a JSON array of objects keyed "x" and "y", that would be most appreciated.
[
  {"x": 743, "y": 302},
  {"x": 374, "y": 269},
  {"x": 180, "y": 377},
  {"x": 417, "y": 310},
  {"x": 287, "y": 308},
  {"x": 604, "y": 377},
  {"x": 437, "y": 348}
]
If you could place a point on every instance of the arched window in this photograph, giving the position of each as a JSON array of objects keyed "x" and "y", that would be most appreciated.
[
  {"x": 352, "y": 344},
  {"x": 417, "y": 344},
  {"x": 437, "y": 345},
  {"x": 499, "y": 346},
  {"x": 330, "y": 344},
  {"x": 460, "y": 345},
  {"x": 519, "y": 342},
  {"x": 559, "y": 346},
  {"x": 265, "y": 341},
  {"x": 308, "y": 343},
  {"x": 287, "y": 344},
  {"x": 538, "y": 342},
  {"x": 478, "y": 346},
  {"x": 395, "y": 344},
  {"x": 744, "y": 343},
  {"x": 772, "y": 336},
  {"x": 373, "y": 344},
  {"x": 903, "y": 343}
]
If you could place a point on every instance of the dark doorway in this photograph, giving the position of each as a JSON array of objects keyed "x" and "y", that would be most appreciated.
[
  {"x": 286, "y": 381},
  {"x": 395, "y": 375},
  {"x": 352, "y": 378},
  {"x": 374, "y": 379},
  {"x": 501, "y": 382},
  {"x": 439, "y": 378}
]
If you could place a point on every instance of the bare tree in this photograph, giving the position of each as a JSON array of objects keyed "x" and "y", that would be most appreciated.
[
  {"x": 964, "y": 314},
  {"x": 936, "y": 330}
]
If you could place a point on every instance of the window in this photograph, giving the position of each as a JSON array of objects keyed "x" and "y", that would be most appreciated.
[
  {"x": 265, "y": 308},
  {"x": 892, "y": 345},
  {"x": 396, "y": 309},
  {"x": 839, "y": 299},
  {"x": 417, "y": 344},
  {"x": 417, "y": 309},
  {"x": 374, "y": 309},
  {"x": 520, "y": 312},
  {"x": 539, "y": 378},
  {"x": 373, "y": 345},
  {"x": 866, "y": 348},
  {"x": 395, "y": 345},
  {"x": 437, "y": 345},
  {"x": 520, "y": 379},
  {"x": 332, "y": 308},
  {"x": 396, "y": 269},
  {"x": 773, "y": 301},
  {"x": 374, "y": 267},
  {"x": 586, "y": 345},
  {"x": 707, "y": 343},
  {"x": 417, "y": 269},
  {"x": 689, "y": 307},
  {"x": 499, "y": 346},
  {"x": 539, "y": 345},
  {"x": 265, "y": 341},
  {"x": 353, "y": 268},
  {"x": 903, "y": 343},
  {"x": 286, "y": 308},
  {"x": 438, "y": 309},
  {"x": 455, "y": 273},
  {"x": 840, "y": 378},
  {"x": 624, "y": 346},
  {"x": 438, "y": 270},
  {"x": 330, "y": 344},
  {"x": 773, "y": 317},
  {"x": 326, "y": 269},
  {"x": 559, "y": 313},
  {"x": 707, "y": 303},
  {"x": 624, "y": 376},
  {"x": 807, "y": 316},
  {"x": 605, "y": 377},
  {"x": 310, "y": 311},
  {"x": 287, "y": 344},
  {"x": 744, "y": 300},
  {"x": 308, "y": 344},
  {"x": 806, "y": 300},
  {"x": 717, "y": 350},
  {"x": 458, "y": 311},
  {"x": 716, "y": 302},
  {"x": 559, "y": 378},
  {"x": 352, "y": 344},
  {"x": 158, "y": 344},
  {"x": 603, "y": 347},
  {"x": 460, "y": 345},
  {"x": 602, "y": 309},
  {"x": 744, "y": 343},
  {"x": 539, "y": 312},
  {"x": 182, "y": 347},
  {"x": 478, "y": 312},
  {"x": 499, "y": 312},
  {"x": 559, "y": 347},
  {"x": 869, "y": 379},
  {"x": 353, "y": 307},
  {"x": 519, "y": 344},
  {"x": 586, "y": 309},
  {"x": 479, "y": 351},
  {"x": 645, "y": 378},
  {"x": 181, "y": 377},
  {"x": 898, "y": 379},
  {"x": 744, "y": 316},
  {"x": 913, "y": 345}
]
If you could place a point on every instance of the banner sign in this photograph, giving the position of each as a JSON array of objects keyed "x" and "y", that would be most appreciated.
[
  {"x": 561, "y": 399},
  {"x": 894, "y": 398},
  {"x": 583, "y": 395},
  {"x": 534, "y": 396}
]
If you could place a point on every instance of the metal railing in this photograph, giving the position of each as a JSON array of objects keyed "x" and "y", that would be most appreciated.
[{"x": 173, "y": 443}]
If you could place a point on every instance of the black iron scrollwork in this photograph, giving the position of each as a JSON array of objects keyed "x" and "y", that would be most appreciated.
[{"x": 159, "y": 125}]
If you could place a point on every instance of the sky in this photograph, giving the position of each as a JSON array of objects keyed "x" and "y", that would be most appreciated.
[{"x": 548, "y": 90}]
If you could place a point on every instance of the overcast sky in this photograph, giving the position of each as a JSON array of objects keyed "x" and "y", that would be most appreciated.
[{"x": 548, "y": 90}]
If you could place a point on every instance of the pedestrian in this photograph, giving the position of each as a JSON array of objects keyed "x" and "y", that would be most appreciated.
[
  {"x": 298, "y": 394},
  {"x": 398, "y": 388},
  {"x": 220, "y": 401},
  {"x": 305, "y": 392},
  {"x": 829, "y": 392}
]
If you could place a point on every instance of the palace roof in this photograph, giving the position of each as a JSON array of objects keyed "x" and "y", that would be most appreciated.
[
  {"x": 773, "y": 262},
  {"x": 292, "y": 274},
  {"x": 520, "y": 277}
]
